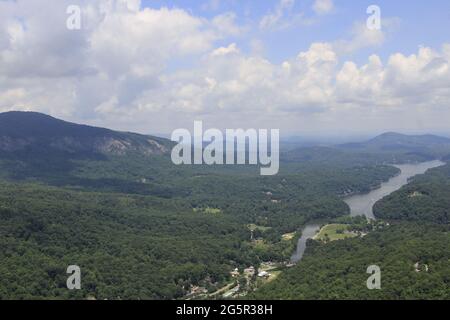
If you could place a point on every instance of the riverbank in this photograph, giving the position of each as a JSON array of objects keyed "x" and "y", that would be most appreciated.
[
  {"x": 362, "y": 204},
  {"x": 333, "y": 232}
]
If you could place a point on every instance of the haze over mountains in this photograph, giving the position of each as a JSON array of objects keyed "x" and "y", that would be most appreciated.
[
  {"x": 114, "y": 201},
  {"x": 389, "y": 141},
  {"x": 389, "y": 147},
  {"x": 36, "y": 133}
]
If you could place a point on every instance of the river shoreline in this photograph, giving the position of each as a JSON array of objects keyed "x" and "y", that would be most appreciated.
[{"x": 362, "y": 204}]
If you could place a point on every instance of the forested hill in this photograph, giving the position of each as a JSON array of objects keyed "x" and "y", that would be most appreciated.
[
  {"x": 141, "y": 227},
  {"x": 413, "y": 251},
  {"x": 426, "y": 198},
  {"x": 386, "y": 148},
  {"x": 396, "y": 143},
  {"x": 414, "y": 262},
  {"x": 31, "y": 133}
]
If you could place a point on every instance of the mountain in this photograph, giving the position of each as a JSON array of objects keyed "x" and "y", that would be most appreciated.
[
  {"x": 141, "y": 227},
  {"x": 32, "y": 132},
  {"x": 392, "y": 141},
  {"x": 401, "y": 146},
  {"x": 386, "y": 148}
]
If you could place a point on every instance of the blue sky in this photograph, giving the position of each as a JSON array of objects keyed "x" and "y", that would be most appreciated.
[
  {"x": 308, "y": 67},
  {"x": 419, "y": 23}
]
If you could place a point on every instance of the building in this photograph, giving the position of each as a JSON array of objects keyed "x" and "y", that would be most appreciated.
[{"x": 263, "y": 274}]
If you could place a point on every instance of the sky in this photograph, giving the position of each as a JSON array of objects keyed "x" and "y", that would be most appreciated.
[{"x": 306, "y": 67}]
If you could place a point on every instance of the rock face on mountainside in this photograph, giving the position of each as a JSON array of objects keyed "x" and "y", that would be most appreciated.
[{"x": 36, "y": 132}]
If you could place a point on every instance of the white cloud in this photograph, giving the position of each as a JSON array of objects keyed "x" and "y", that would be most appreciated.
[
  {"x": 313, "y": 86},
  {"x": 153, "y": 70},
  {"x": 222, "y": 51},
  {"x": 323, "y": 6},
  {"x": 147, "y": 38},
  {"x": 361, "y": 37},
  {"x": 121, "y": 50},
  {"x": 281, "y": 17},
  {"x": 225, "y": 24}
]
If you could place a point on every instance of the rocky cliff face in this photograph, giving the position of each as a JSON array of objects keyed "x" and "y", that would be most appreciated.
[{"x": 29, "y": 131}]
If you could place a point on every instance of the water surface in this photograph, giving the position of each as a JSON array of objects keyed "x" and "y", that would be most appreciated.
[
  {"x": 363, "y": 204},
  {"x": 308, "y": 232}
]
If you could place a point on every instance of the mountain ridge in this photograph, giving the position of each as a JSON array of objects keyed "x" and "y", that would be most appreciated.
[
  {"x": 386, "y": 148},
  {"x": 389, "y": 142},
  {"x": 33, "y": 131},
  {"x": 400, "y": 136}
]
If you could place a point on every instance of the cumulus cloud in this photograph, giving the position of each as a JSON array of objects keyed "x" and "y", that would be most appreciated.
[
  {"x": 314, "y": 85},
  {"x": 121, "y": 49},
  {"x": 153, "y": 70}
]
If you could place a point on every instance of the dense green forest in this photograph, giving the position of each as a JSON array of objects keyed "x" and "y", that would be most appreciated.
[
  {"x": 138, "y": 243},
  {"x": 142, "y": 228},
  {"x": 127, "y": 246},
  {"x": 413, "y": 252},
  {"x": 337, "y": 270},
  {"x": 426, "y": 198},
  {"x": 300, "y": 193},
  {"x": 137, "y": 225}
]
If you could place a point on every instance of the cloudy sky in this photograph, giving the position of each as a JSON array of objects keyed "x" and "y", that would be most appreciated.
[{"x": 303, "y": 66}]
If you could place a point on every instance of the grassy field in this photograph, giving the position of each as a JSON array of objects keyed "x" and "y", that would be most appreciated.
[
  {"x": 254, "y": 227},
  {"x": 288, "y": 236},
  {"x": 333, "y": 232}
]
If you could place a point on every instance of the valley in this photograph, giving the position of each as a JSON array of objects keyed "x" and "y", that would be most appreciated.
[
  {"x": 404, "y": 239},
  {"x": 141, "y": 227},
  {"x": 195, "y": 154}
]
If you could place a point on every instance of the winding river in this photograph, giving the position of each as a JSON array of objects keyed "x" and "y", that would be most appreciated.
[{"x": 362, "y": 204}]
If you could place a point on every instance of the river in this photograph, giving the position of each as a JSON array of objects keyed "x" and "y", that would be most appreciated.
[{"x": 362, "y": 204}]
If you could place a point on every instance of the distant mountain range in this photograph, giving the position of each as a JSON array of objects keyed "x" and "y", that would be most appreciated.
[
  {"x": 35, "y": 132},
  {"x": 386, "y": 148},
  {"x": 395, "y": 141}
]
